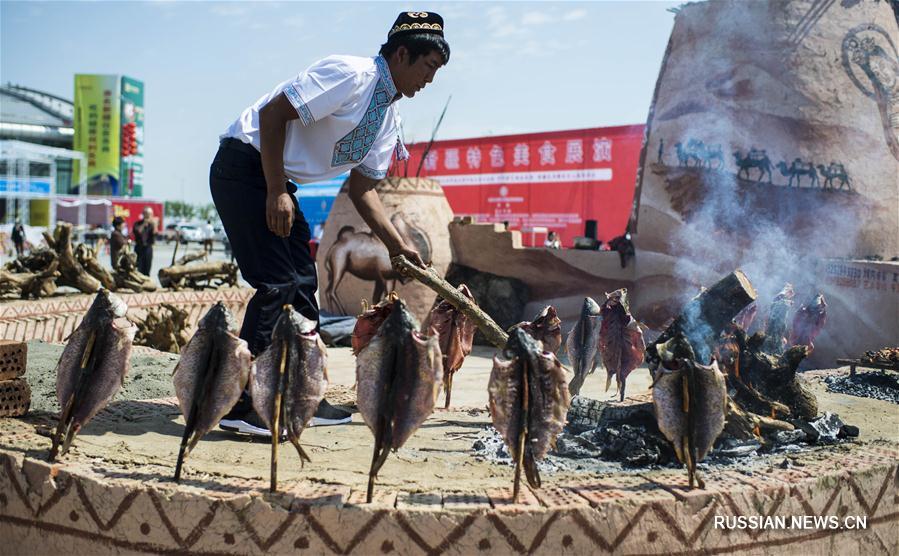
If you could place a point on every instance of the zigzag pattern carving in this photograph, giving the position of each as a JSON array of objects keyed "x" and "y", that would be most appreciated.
[{"x": 472, "y": 528}]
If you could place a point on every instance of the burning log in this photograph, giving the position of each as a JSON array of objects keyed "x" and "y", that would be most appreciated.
[
  {"x": 198, "y": 276},
  {"x": 706, "y": 316}
]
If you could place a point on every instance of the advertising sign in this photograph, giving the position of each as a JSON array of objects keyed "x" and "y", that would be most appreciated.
[
  {"x": 553, "y": 181},
  {"x": 97, "y": 130},
  {"x": 132, "y": 137}
]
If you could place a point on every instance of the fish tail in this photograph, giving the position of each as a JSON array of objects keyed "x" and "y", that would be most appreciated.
[{"x": 530, "y": 469}]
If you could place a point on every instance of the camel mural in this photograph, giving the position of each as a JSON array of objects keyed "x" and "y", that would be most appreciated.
[
  {"x": 798, "y": 169},
  {"x": 832, "y": 172},
  {"x": 364, "y": 256},
  {"x": 754, "y": 159}
]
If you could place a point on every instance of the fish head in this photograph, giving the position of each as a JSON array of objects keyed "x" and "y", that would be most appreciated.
[
  {"x": 618, "y": 297},
  {"x": 819, "y": 303},
  {"x": 105, "y": 308},
  {"x": 547, "y": 318},
  {"x": 292, "y": 323},
  {"x": 786, "y": 294},
  {"x": 590, "y": 307},
  {"x": 676, "y": 348},
  {"x": 521, "y": 343},
  {"x": 400, "y": 320},
  {"x": 219, "y": 319}
]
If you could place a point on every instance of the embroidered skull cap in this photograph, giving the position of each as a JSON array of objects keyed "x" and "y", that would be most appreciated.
[{"x": 417, "y": 22}]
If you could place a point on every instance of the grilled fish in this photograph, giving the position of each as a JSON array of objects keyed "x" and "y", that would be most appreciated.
[
  {"x": 398, "y": 376},
  {"x": 304, "y": 380},
  {"x": 620, "y": 340},
  {"x": 583, "y": 344},
  {"x": 690, "y": 402},
  {"x": 546, "y": 327},
  {"x": 368, "y": 323},
  {"x": 210, "y": 375},
  {"x": 529, "y": 402},
  {"x": 93, "y": 366},
  {"x": 776, "y": 325},
  {"x": 808, "y": 322},
  {"x": 455, "y": 333}
]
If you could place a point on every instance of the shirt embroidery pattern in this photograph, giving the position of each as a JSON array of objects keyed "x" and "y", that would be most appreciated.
[{"x": 353, "y": 147}]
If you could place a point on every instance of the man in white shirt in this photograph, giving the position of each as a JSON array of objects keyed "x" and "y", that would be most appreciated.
[{"x": 337, "y": 115}]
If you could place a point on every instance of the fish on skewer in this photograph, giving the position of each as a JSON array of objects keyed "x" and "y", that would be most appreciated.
[
  {"x": 620, "y": 340},
  {"x": 546, "y": 327},
  {"x": 398, "y": 376},
  {"x": 529, "y": 402},
  {"x": 690, "y": 403},
  {"x": 776, "y": 325},
  {"x": 808, "y": 322},
  {"x": 289, "y": 380},
  {"x": 583, "y": 344},
  {"x": 92, "y": 367},
  {"x": 210, "y": 375},
  {"x": 455, "y": 333}
]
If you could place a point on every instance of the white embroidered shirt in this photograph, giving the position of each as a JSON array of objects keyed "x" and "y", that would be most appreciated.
[{"x": 347, "y": 120}]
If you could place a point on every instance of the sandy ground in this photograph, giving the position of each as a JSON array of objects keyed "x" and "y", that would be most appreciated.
[{"x": 141, "y": 430}]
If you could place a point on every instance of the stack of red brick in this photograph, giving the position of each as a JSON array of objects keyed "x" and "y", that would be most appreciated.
[{"x": 15, "y": 394}]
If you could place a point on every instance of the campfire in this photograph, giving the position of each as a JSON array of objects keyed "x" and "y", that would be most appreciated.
[{"x": 717, "y": 390}]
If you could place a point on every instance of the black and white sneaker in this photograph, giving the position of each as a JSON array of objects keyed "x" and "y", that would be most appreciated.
[
  {"x": 250, "y": 423},
  {"x": 327, "y": 414}
]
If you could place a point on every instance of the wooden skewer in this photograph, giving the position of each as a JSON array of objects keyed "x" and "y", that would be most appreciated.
[
  {"x": 454, "y": 297},
  {"x": 522, "y": 436},
  {"x": 65, "y": 418},
  {"x": 276, "y": 418}
]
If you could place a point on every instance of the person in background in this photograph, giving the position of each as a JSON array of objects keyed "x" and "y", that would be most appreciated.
[
  {"x": 552, "y": 241},
  {"x": 117, "y": 240},
  {"x": 208, "y": 236},
  {"x": 144, "y": 238},
  {"x": 18, "y": 237}
]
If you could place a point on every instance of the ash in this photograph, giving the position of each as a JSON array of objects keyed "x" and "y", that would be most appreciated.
[{"x": 878, "y": 385}]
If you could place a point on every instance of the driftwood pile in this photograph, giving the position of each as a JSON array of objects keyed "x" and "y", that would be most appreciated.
[
  {"x": 61, "y": 263},
  {"x": 199, "y": 275},
  {"x": 165, "y": 328}
]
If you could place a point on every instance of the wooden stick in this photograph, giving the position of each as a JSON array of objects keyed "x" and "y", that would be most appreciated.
[
  {"x": 276, "y": 419},
  {"x": 65, "y": 418},
  {"x": 522, "y": 435},
  {"x": 444, "y": 289}
]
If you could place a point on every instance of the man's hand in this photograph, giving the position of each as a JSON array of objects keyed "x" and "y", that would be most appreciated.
[
  {"x": 279, "y": 213},
  {"x": 410, "y": 253}
]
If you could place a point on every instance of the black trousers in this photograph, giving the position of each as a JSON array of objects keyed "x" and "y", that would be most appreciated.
[
  {"x": 144, "y": 258},
  {"x": 281, "y": 269}
]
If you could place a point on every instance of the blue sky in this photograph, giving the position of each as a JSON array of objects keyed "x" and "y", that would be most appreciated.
[{"x": 516, "y": 67}]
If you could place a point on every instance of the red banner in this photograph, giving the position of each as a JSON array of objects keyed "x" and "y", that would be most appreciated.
[{"x": 554, "y": 181}]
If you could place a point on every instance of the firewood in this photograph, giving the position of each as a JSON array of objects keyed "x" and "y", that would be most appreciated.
[{"x": 706, "y": 315}]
